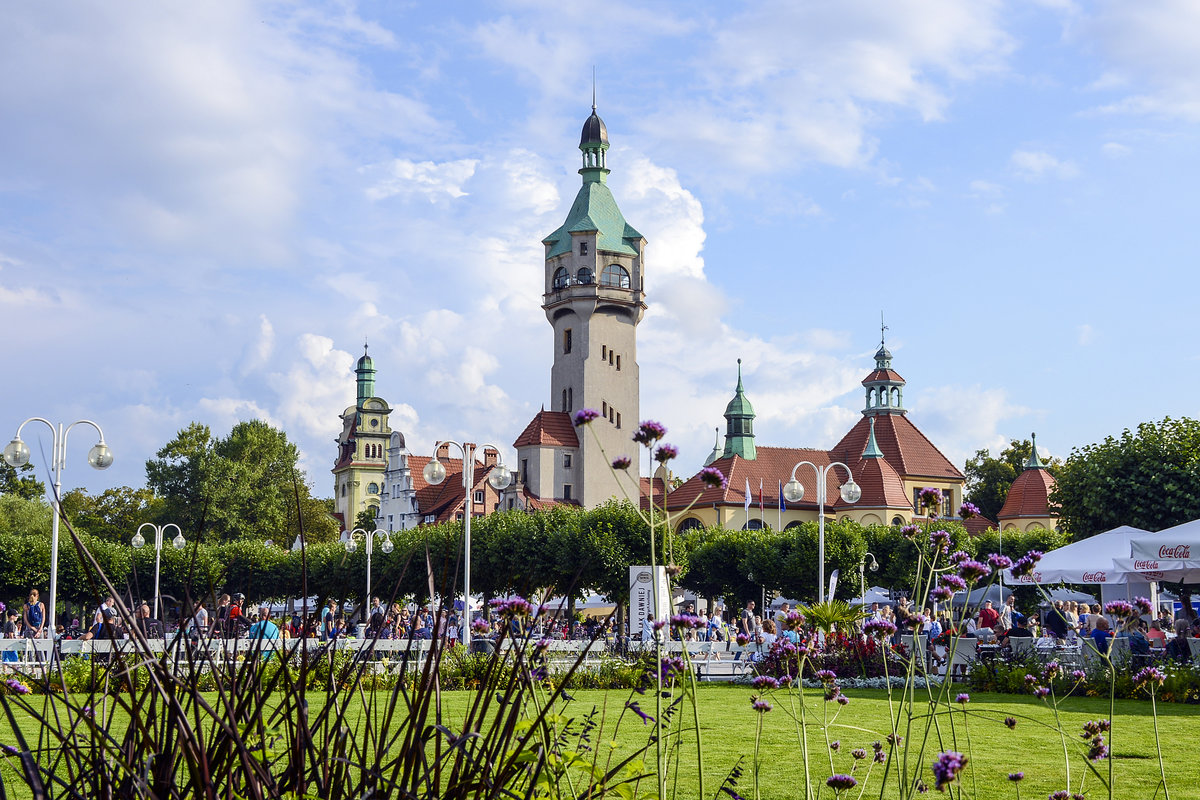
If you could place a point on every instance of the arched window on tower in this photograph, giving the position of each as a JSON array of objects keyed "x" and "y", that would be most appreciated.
[
  {"x": 584, "y": 276},
  {"x": 615, "y": 275},
  {"x": 562, "y": 278}
]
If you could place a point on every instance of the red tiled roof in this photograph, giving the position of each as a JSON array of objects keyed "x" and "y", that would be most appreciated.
[
  {"x": 1029, "y": 496},
  {"x": 881, "y": 486},
  {"x": 883, "y": 375},
  {"x": 774, "y": 464},
  {"x": 905, "y": 448},
  {"x": 645, "y": 485},
  {"x": 549, "y": 428},
  {"x": 533, "y": 502},
  {"x": 978, "y": 525}
]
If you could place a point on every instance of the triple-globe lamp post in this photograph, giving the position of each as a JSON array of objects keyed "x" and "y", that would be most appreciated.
[
  {"x": 368, "y": 538},
  {"x": 16, "y": 454},
  {"x": 139, "y": 542},
  {"x": 793, "y": 492},
  {"x": 499, "y": 478}
]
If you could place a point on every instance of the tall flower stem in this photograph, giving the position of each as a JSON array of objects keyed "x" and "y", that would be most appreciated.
[
  {"x": 1162, "y": 772},
  {"x": 658, "y": 649}
]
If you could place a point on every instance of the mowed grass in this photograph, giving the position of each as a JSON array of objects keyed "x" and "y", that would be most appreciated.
[{"x": 729, "y": 725}]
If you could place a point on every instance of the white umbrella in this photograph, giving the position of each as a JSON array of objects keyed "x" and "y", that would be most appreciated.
[
  {"x": 1089, "y": 560},
  {"x": 1180, "y": 543},
  {"x": 1153, "y": 569}
]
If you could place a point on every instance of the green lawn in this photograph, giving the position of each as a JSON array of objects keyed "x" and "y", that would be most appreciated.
[{"x": 728, "y": 724}]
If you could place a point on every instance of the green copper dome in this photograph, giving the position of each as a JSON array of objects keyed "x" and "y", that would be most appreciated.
[{"x": 739, "y": 423}]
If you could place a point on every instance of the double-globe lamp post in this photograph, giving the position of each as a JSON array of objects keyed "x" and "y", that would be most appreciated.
[
  {"x": 368, "y": 538},
  {"x": 793, "y": 492},
  {"x": 16, "y": 454},
  {"x": 499, "y": 478},
  {"x": 139, "y": 542}
]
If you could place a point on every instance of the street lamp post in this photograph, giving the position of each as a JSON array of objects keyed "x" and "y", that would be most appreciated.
[
  {"x": 500, "y": 477},
  {"x": 793, "y": 492},
  {"x": 368, "y": 538},
  {"x": 862, "y": 575},
  {"x": 139, "y": 542},
  {"x": 17, "y": 455}
]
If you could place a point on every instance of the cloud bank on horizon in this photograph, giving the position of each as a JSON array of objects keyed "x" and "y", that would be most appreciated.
[{"x": 207, "y": 210}]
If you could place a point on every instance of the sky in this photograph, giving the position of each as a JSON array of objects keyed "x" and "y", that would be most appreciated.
[{"x": 207, "y": 208}]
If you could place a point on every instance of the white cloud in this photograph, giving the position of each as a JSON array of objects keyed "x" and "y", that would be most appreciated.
[
  {"x": 1115, "y": 150},
  {"x": 963, "y": 419},
  {"x": 1033, "y": 165},
  {"x": 1152, "y": 49},
  {"x": 985, "y": 189},
  {"x": 426, "y": 179},
  {"x": 1085, "y": 334},
  {"x": 795, "y": 82}
]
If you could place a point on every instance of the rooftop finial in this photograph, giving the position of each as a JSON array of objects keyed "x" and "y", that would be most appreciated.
[
  {"x": 882, "y": 330},
  {"x": 1035, "y": 461},
  {"x": 364, "y": 346},
  {"x": 593, "y": 89}
]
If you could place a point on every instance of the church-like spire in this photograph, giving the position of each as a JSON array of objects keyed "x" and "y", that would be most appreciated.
[
  {"x": 872, "y": 449},
  {"x": 884, "y": 386},
  {"x": 365, "y": 369},
  {"x": 1035, "y": 461},
  {"x": 593, "y": 142},
  {"x": 739, "y": 423},
  {"x": 716, "y": 451}
]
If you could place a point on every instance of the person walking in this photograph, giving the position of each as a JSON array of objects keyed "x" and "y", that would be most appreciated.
[
  {"x": 33, "y": 617},
  {"x": 746, "y": 623}
]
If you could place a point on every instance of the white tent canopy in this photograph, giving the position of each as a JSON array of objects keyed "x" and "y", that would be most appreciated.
[
  {"x": 1180, "y": 543},
  {"x": 1086, "y": 561},
  {"x": 1153, "y": 569}
]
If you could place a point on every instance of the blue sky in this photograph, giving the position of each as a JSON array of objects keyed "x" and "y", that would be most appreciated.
[{"x": 205, "y": 209}]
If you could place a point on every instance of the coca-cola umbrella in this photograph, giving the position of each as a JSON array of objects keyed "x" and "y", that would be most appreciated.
[
  {"x": 996, "y": 593},
  {"x": 1089, "y": 560},
  {"x": 1180, "y": 543}
]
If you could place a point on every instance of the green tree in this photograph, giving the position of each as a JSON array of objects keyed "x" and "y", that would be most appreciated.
[
  {"x": 989, "y": 478},
  {"x": 114, "y": 515},
  {"x": 20, "y": 482},
  {"x": 1148, "y": 478},
  {"x": 244, "y": 486}
]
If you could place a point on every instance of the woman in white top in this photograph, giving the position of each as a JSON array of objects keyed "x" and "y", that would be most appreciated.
[{"x": 198, "y": 625}]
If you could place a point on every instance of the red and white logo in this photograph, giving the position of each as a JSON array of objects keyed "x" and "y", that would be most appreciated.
[
  {"x": 1095, "y": 577},
  {"x": 1153, "y": 576},
  {"x": 1142, "y": 566},
  {"x": 1033, "y": 577},
  {"x": 1179, "y": 551}
]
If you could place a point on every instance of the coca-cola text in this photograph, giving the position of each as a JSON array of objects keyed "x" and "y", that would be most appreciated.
[{"x": 1179, "y": 551}]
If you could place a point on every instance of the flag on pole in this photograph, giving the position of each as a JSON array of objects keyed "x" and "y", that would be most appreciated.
[
  {"x": 762, "y": 514},
  {"x": 780, "y": 505},
  {"x": 748, "y": 495}
]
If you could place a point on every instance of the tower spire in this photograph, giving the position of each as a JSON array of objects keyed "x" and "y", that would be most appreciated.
[
  {"x": 716, "y": 451},
  {"x": 739, "y": 424},
  {"x": 872, "y": 449},
  {"x": 1035, "y": 461}
]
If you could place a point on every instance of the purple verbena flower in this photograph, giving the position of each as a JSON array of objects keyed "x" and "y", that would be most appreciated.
[
  {"x": 622, "y": 462},
  {"x": 742, "y": 639},
  {"x": 953, "y": 582},
  {"x": 1098, "y": 750},
  {"x": 835, "y": 745},
  {"x": 959, "y": 556},
  {"x": 1120, "y": 608},
  {"x": 841, "y": 783},
  {"x": 1051, "y": 670},
  {"x": 842, "y": 700},
  {"x": 585, "y": 415},
  {"x": 940, "y": 593},
  {"x": 858, "y": 753},
  {"x": 760, "y": 705},
  {"x": 968, "y": 510},
  {"x": 971, "y": 570},
  {"x": 1011, "y": 722},
  {"x": 946, "y": 768},
  {"x": 713, "y": 478},
  {"x": 940, "y": 540},
  {"x": 929, "y": 498},
  {"x": 963, "y": 698},
  {"x": 998, "y": 561},
  {"x": 685, "y": 621},
  {"x": 910, "y": 531},
  {"x": 826, "y": 676},
  {"x": 649, "y": 432},
  {"x": 1061, "y": 794},
  {"x": 881, "y": 628},
  {"x": 665, "y": 453},
  {"x": 1016, "y": 776},
  {"x": 764, "y": 682},
  {"x": 1041, "y": 692},
  {"x": 481, "y": 626},
  {"x": 1079, "y": 675},
  {"x": 1149, "y": 675},
  {"x": 1143, "y": 606},
  {"x": 1025, "y": 564}
]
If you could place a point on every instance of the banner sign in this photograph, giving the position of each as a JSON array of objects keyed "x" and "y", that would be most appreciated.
[{"x": 642, "y": 609}]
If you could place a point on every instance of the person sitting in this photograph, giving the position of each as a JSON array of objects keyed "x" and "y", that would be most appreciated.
[
  {"x": 1019, "y": 630},
  {"x": 1102, "y": 637},
  {"x": 1178, "y": 648},
  {"x": 1156, "y": 635},
  {"x": 1139, "y": 645}
]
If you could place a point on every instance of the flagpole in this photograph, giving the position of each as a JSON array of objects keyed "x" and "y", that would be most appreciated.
[{"x": 762, "y": 510}]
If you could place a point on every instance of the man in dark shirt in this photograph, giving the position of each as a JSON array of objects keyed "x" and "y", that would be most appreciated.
[
  {"x": 1056, "y": 623},
  {"x": 1020, "y": 629}
]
